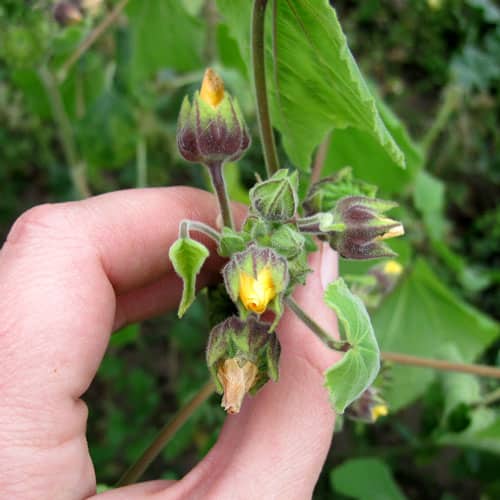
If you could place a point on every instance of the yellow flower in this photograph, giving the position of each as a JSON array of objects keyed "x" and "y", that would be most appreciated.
[
  {"x": 379, "y": 410},
  {"x": 257, "y": 293},
  {"x": 393, "y": 267},
  {"x": 212, "y": 88}
]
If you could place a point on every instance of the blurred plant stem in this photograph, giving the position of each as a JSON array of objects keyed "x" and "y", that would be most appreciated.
[
  {"x": 210, "y": 49},
  {"x": 452, "y": 98},
  {"x": 164, "y": 436},
  {"x": 141, "y": 161},
  {"x": 319, "y": 159},
  {"x": 438, "y": 364},
  {"x": 91, "y": 38},
  {"x": 259, "y": 76},
  {"x": 78, "y": 169}
]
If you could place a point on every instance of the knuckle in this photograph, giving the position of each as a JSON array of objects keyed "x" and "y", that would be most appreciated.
[{"x": 43, "y": 221}]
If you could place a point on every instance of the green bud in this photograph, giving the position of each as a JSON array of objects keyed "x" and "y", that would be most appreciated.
[
  {"x": 323, "y": 195},
  {"x": 287, "y": 241},
  {"x": 276, "y": 198}
]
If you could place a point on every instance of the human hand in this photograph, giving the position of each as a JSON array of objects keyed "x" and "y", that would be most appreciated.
[{"x": 72, "y": 273}]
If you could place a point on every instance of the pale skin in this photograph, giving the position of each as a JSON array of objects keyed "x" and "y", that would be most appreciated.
[{"x": 71, "y": 274}]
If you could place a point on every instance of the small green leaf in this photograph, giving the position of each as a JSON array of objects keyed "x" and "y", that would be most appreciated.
[
  {"x": 365, "y": 479},
  {"x": 347, "y": 379},
  {"x": 187, "y": 256}
]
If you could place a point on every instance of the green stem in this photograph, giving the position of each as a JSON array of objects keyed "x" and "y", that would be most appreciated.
[
  {"x": 259, "y": 75},
  {"x": 217, "y": 178},
  {"x": 65, "y": 132},
  {"x": 187, "y": 225},
  {"x": 337, "y": 345},
  {"x": 438, "y": 364},
  {"x": 137, "y": 470}
]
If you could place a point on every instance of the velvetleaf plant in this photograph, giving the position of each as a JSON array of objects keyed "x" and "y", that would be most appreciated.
[{"x": 267, "y": 259}]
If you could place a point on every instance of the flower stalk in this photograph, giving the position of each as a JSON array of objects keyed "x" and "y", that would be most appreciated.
[{"x": 259, "y": 76}]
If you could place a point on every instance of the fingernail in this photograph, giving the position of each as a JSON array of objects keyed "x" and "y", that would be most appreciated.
[{"x": 328, "y": 268}]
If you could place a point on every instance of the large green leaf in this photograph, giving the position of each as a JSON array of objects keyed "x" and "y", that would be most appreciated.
[
  {"x": 365, "y": 479},
  {"x": 351, "y": 376},
  {"x": 314, "y": 82},
  {"x": 164, "y": 36},
  {"x": 368, "y": 158},
  {"x": 419, "y": 318},
  {"x": 187, "y": 257}
]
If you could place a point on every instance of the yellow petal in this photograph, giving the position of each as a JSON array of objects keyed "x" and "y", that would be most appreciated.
[
  {"x": 393, "y": 267},
  {"x": 212, "y": 88},
  {"x": 379, "y": 411},
  {"x": 255, "y": 294}
]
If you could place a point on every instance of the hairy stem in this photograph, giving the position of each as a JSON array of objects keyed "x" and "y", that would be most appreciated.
[
  {"x": 65, "y": 133},
  {"x": 337, "y": 345},
  {"x": 217, "y": 178},
  {"x": 438, "y": 364},
  {"x": 259, "y": 76},
  {"x": 89, "y": 41},
  {"x": 164, "y": 436},
  {"x": 187, "y": 225}
]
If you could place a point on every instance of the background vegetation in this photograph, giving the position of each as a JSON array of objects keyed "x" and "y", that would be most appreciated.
[{"x": 108, "y": 122}]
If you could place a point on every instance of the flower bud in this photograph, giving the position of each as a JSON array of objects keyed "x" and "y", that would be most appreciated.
[
  {"x": 242, "y": 356},
  {"x": 67, "y": 14},
  {"x": 276, "y": 198},
  {"x": 365, "y": 228},
  {"x": 211, "y": 129},
  {"x": 256, "y": 280},
  {"x": 368, "y": 408}
]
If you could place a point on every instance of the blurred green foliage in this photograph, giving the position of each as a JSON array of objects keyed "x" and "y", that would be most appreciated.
[{"x": 433, "y": 66}]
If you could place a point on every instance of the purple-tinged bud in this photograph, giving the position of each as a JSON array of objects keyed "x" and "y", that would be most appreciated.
[
  {"x": 211, "y": 129},
  {"x": 67, "y": 14},
  {"x": 369, "y": 407},
  {"x": 365, "y": 228}
]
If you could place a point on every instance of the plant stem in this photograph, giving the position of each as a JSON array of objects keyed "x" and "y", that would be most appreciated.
[
  {"x": 141, "y": 159},
  {"x": 438, "y": 364},
  {"x": 217, "y": 178},
  {"x": 93, "y": 36},
  {"x": 259, "y": 76},
  {"x": 137, "y": 470},
  {"x": 65, "y": 132},
  {"x": 319, "y": 159},
  {"x": 188, "y": 225},
  {"x": 337, "y": 345}
]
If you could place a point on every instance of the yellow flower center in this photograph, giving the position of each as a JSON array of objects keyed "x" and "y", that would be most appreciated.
[
  {"x": 257, "y": 293},
  {"x": 212, "y": 88},
  {"x": 393, "y": 267},
  {"x": 379, "y": 410}
]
